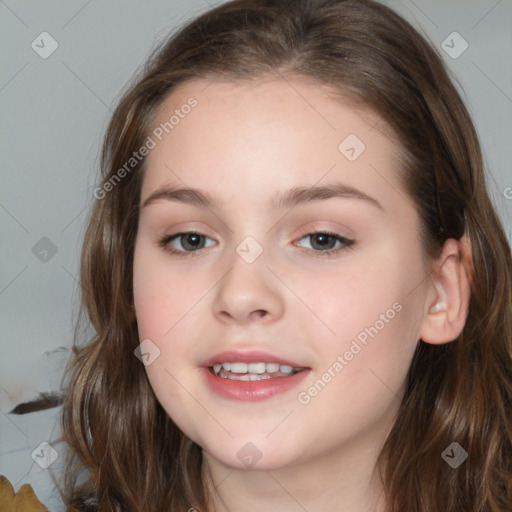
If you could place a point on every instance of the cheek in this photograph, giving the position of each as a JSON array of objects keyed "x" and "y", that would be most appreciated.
[
  {"x": 361, "y": 372},
  {"x": 162, "y": 293},
  {"x": 360, "y": 297},
  {"x": 370, "y": 315},
  {"x": 168, "y": 308}
]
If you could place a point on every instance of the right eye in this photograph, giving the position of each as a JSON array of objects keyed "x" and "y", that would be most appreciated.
[{"x": 190, "y": 241}]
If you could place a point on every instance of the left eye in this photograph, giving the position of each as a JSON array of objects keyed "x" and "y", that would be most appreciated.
[{"x": 326, "y": 242}]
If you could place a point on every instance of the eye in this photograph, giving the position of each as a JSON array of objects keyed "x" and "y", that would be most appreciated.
[
  {"x": 327, "y": 243},
  {"x": 189, "y": 241},
  {"x": 185, "y": 243}
]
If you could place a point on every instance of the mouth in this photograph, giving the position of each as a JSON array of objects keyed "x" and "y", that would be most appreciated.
[
  {"x": 252, "y": 376},
  {"x": 253, "y": 371}
]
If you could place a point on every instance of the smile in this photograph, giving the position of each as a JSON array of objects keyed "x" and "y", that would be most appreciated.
[{"x": 253, "y": 371}]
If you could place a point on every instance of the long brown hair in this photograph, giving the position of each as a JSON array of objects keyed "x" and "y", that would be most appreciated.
[{"x": 126, "y": 454}]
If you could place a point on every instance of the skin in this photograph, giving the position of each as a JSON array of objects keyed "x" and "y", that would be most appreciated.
[{"x": 243, "y": 143}]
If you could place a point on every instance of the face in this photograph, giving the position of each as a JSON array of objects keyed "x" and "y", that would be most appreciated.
[{"x": 302, "y": 276}]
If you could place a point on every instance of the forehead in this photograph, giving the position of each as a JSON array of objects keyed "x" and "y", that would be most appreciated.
[
  {"x": 266, "y": 134},
  {"x": 318, "y": 106}
]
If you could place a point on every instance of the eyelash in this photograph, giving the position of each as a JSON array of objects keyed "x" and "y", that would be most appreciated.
[{"x": 167, "y": 239}]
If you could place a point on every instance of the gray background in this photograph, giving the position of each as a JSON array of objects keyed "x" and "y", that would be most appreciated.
[{"x": 55, "y": 110}]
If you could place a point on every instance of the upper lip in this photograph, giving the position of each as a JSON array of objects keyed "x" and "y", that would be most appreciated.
[{"x": 249, "y": 356}]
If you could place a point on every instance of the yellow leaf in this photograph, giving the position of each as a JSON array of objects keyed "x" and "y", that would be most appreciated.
[{"x": 24, "y": 500}]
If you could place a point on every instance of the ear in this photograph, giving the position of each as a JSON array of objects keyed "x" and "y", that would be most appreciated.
[{"x": 447, "y": 299}]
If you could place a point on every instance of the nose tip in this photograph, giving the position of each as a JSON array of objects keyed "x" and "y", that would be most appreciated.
[{"x": 248, "y": 292}]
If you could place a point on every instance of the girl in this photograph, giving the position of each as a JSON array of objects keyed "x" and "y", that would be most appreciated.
[{"x": 299, "y": 286}]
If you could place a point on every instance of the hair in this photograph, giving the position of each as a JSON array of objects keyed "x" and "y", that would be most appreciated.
[{"x": 125, "y": 453}]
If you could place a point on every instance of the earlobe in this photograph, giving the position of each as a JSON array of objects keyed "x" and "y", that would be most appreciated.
[{"x": 448, "y": 297}]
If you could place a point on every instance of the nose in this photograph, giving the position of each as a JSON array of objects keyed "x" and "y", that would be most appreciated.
[{"x": 248, "y": 292}]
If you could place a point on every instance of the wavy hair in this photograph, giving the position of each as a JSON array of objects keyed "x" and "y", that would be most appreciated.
[{"x": 125, "y": 453}]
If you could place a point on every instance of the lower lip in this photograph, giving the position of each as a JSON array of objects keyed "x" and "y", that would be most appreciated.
[{"x": 252, "y": 390}]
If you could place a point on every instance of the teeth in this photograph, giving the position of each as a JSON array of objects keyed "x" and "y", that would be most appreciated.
[
  {"x": 252, "y": 371},
  {"x": 237, "y": 367},
  {"x": 256, "y": 368},
  {"x": 246, "y": 376}
]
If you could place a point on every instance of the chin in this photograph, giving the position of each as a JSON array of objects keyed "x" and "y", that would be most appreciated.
[{"x": 247, "y": 454}]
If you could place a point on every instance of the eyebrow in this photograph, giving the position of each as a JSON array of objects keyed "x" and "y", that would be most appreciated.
[{"x": 291, "y": 198}]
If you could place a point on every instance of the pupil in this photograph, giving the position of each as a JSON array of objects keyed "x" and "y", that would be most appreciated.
[
  {"x": 192, "y": 240},
  {"x": 323, "y": 240}
]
